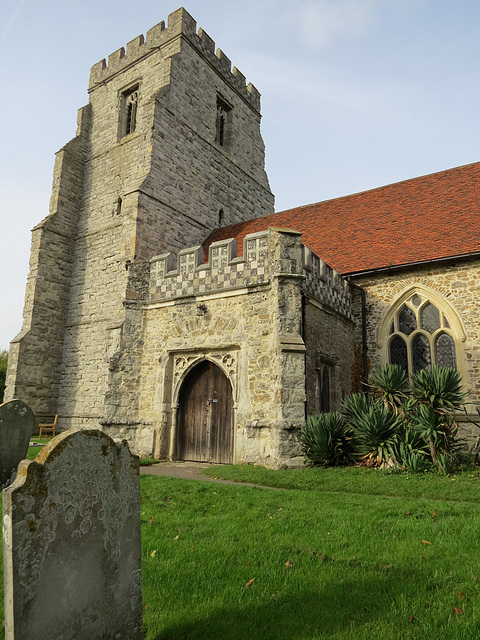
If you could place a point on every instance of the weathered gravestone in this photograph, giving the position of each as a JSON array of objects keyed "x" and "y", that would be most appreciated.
[
  {"x": 17, "y": 423},
  {"x": 71, "y": 531}
]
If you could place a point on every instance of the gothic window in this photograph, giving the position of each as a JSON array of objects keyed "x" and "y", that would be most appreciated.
[
  {"x": 445, "y": 350},
  {"x": 222, "y": 123},
  {"x": 407, "y": 321},
  {"x": 420, "y": 335},
  {"x": 323, "y": 388},
  {"x": 398, "y": 352},
  {"x": 421, "y": 354},
  {"x": 128, "y": 115}
]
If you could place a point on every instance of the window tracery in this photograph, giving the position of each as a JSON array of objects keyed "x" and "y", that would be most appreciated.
[
  {"x": 420, "y": 335},
  {"x": 128, "y": 111}
]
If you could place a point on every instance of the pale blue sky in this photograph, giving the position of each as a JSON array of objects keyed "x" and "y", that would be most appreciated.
[{"x": 355, "y": 94}]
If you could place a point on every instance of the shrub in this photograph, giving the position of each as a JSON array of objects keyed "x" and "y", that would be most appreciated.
[
  {"x": 397, "y": 423},
  {"x": 374, "y": 435},
  {"x": 355, "y": 406},
  {"x": 439, "y": 388},
  {"x": 326, "y": 439},
  {"x": 388, "y": 386},
  {"x": 410, "y": 450},
  {"x": 437, "y": 393}
]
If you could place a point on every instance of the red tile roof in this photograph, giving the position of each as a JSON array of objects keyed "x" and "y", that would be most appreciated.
[{"x": 427, "y": 218}]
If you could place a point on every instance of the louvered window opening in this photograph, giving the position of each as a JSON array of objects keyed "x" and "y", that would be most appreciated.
[{"x": 420, "y": 337}]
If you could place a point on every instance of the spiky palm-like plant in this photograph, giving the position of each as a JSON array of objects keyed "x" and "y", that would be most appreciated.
[
  {"x": 430, "y": 426},
  {"x": 439, "y": 388},
  {"x": 355, "y": 406},
  {"x": 326, "y": 439},
  {"x": 410, "y": 449},
  {"x": 374, "y": 435},
  {"x": 437, "y": 393},
  {"x": 388, "y": 385}
]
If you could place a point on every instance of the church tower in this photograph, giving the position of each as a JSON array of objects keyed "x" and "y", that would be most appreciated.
[{"x": 168, "y": 149}]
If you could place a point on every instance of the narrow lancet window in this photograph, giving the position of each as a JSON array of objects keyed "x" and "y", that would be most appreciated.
[
  {"x": 223, "y": 122},
  {"x": 128, "y": 111},
  {"x": 131, "y": 112}
]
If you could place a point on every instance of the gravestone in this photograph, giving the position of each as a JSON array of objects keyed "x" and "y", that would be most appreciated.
[
  {"x": 71, "y": 530},
  {"x": 17, "y": 423}
]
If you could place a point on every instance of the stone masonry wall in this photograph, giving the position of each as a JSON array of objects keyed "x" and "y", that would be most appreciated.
[
  {"x": 172, "y": 277},
  {"x": 34, "y": 367},
  {"x": 190, "y": 172},
  {"x": 455, "y": 284},
  {"x": 329, "y": 338},
  {"x": 156, "y": 189},
  {"x": 329, "y": 332},
  {"x": 252, "y": 329}
]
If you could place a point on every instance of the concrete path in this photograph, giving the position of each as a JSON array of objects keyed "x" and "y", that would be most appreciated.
[{"x": 192, "y": 471}]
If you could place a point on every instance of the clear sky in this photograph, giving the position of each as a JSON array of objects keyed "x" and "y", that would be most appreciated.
[{"x": 355, "y": 94}]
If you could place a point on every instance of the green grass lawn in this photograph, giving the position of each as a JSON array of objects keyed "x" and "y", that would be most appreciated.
[
  {"x": 353, "y": 556},
  {"x": 33, "y": 451},
  {"x": 336, "y": 553}
]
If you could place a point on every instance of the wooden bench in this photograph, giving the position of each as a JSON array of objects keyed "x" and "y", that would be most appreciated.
[{"x": 48, "y": 429}]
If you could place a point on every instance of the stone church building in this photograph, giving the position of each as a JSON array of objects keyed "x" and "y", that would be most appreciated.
[{"x": 170, "y": 305}]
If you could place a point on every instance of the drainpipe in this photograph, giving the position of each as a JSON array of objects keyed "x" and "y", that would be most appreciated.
[{"x": 303, "y": 334}]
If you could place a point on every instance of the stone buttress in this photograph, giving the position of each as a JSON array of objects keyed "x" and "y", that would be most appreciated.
[{"x": 168, "y": 148}]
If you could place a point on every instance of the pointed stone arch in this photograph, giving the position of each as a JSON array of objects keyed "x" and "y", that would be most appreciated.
[
  {"x": 205, "y": 417},
  {"x": 421, "y": 328}
]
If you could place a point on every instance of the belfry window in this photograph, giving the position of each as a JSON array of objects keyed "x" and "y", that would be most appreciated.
[
  {"x": 128, "y": 114},
  {"x": 224, "y": 116},
  {"x": 420, "y": 336}
]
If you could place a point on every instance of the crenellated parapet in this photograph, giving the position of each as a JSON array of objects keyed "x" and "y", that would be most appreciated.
[
  {"x": 185, "y": 275},
  {"x": 180, "y": 24},
  {"x": 326, "y": 285}
]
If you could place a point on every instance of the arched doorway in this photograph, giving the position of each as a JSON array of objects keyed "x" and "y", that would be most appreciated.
[{"x": 205, "y": 416}]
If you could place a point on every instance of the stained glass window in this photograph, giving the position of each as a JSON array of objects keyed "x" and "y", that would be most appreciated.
[
  {"x": 419, "y": 335},
  {"x": 407, "y": 322},
  {"x": 421, "y": 354},
  {"x": 398, "y": 352},
  {"x": 430, "y": 318},
  {"x": 445, "y": 350}
]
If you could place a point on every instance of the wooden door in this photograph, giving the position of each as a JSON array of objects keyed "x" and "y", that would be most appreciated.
[{"x": 205, "y": 416}]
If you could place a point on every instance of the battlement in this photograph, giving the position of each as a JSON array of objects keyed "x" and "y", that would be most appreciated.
[
  {"x": 184, "y": 275},
  {"x": 180, "y": 24},
  {"x": 173, "y": 277},
  {"x": 326, "y": 285}
]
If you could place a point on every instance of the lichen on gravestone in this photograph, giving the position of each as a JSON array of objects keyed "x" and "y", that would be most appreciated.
[{"x": 72, "y": 554}]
